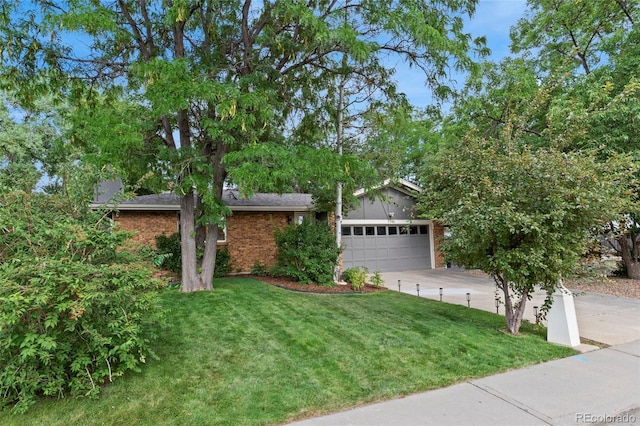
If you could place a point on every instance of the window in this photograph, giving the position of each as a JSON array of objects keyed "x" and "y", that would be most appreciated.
[
  {"x": 404, "y": 230},
  {"x": 382, "y": 230},
  {"x": 393, "y": 230},
  {"x": 370, "y": 230},
  {"x": 346, "y": 230},
  {"x": 424, "y": 229},
  {"x": 413, "y": 230},
  {"x": 357, "y": 230}
]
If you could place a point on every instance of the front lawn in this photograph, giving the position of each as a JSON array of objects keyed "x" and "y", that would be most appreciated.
[{"x": 250, "y": 353}]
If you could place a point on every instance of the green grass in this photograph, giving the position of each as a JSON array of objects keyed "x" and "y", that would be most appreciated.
[{"x": 249, "y": 353}]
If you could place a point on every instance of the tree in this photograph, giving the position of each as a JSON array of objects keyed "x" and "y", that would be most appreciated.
[
  {"x": 520, "y": 214},
  {"x": 183, "y": 83},
  {"x": 598, "y": 107}
]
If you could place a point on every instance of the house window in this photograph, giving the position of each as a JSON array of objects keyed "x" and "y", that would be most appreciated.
[
  {"x": 393, "y": 230},
  {"x": 382, "y": 230},
  {"x": 357, "y": 230},
  {"x": 370, "y": 230},
  {"x": 346, "y": 230},
  {"x": 222, "y": 233}
]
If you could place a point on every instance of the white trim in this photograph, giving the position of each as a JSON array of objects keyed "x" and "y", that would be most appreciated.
[
  {"x": 432, "y": 248},
  {"x": 364, "y": 222},
  {"x": 388, "y": 182}
]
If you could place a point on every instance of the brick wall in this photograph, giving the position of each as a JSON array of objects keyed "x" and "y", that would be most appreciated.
[
  {"x": 438, "y": 236},
  {"x": 147, "y": 224},
  {"x": 249, "y": 234},
  {"x": 250, "y": 238}
]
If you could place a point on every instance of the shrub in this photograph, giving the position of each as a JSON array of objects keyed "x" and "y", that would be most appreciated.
[
  {"x": 376, "y": 279},
  {"x": 356, "y": 277},
  {"x": 169, "y": 255},
  {"x": 169, "y": 252},
  {"x": 307, "y": 252},
  {"x": 76, "y": 310},
  {"x": 259, "y": 269}
]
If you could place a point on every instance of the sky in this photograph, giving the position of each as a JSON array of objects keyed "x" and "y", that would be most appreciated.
[{"x": 493, "y": 19}]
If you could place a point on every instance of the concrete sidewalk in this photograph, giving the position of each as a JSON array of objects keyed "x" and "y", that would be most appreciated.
[{"x": 599, "y": 387}]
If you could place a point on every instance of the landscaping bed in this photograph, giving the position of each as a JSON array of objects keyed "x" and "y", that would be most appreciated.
[{"x": 290, "y": 284}]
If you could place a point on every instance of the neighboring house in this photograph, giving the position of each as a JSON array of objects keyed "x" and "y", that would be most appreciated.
[
  {"x": 249, "y": 231},
  {"x": 384, "y": 235}
]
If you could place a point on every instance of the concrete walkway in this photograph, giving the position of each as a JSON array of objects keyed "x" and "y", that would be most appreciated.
[{"x": 598, "y": 387}]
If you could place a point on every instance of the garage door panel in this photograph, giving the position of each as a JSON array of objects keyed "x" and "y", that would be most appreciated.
[{"x": 385, "y": 251}]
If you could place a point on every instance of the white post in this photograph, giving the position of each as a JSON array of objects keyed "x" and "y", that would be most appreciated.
[{"x": 562, "y": 323}]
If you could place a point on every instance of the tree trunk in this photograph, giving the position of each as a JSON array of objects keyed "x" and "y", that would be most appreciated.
[
  {"x": 629, "y": 253},
  {"x": 209, "y": 257},
  {"x": 190, "y": 281},
  {"x": 513, "y": 313}
]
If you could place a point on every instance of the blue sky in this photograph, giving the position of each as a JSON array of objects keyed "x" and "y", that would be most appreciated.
[{"x": 493, "y": 18}]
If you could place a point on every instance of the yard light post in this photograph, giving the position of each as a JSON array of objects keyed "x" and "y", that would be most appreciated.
[
  {"x": 497, "y": 305},
  {"x": 399, "y": 285},
  {"x": 468, "y": 300},
  {"x": 418, "y": 289},
  {"x": 441, "y": 294},
  {"x": 535, "y": 312}
]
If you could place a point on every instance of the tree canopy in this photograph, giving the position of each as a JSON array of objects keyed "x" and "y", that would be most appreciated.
[{"x": 175, "y": 86}]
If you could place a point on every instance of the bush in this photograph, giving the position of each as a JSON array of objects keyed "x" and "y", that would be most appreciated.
[
  {"x": 259, "y": 269},
  {"x": 307, "y": 252},
  {"x": 356, "y": 277},
  {"x": 76, "y": 310},
  {"x": 169, "y": 252},
  {"x": 169, "y": 255}
]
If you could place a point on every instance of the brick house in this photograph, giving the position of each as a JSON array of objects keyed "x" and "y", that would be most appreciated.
[
  {"x": 248, "y": 234},
  {"x": 382, "y": 234}
]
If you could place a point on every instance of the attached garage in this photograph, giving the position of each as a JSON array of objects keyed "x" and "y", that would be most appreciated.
[{"x": 382, "y": 234}]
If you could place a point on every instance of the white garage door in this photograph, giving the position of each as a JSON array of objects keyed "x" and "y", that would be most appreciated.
[{"x": 386, "y": 248}]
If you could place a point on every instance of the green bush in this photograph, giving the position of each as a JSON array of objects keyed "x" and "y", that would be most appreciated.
[
  {"x": 76, "y": 309},
  {"x": 259, "y": 269},
  {"x": 169, "y": 255},
  {"x": 169, "y": 252},
  {"x": 376, "y": 279},
  {"x": 307, "y": 252},
  {"x": 356, "y": 277}
]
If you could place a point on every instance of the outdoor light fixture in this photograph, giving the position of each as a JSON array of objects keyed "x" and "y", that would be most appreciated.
[
  {"x": 497, "y": 305},
  {"x": 418, "y": 289},
  {"x": 535, "y": 312},
  {"x": 398, "y": 285},
  {"x": 441, "y": 294},
  {"x": 468, "y": 300}
]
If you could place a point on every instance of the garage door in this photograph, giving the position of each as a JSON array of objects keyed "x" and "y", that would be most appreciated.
[{"x": 386, "y": 248}]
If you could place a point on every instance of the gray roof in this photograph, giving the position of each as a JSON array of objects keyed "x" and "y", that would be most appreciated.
[{"x": 231, "y": 197}]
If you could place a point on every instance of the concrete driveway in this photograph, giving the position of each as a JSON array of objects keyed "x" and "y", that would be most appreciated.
[{"x": 602, "y": 318}]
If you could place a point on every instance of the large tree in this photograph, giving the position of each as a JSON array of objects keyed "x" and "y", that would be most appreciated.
[
  {"x": 180, "y": 84},
  {"x": 595, "y": 46}
]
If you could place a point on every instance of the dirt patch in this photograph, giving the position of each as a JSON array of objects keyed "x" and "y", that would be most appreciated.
[
  {"x": 614, "y": 286},
  {"x": 289, "y": 284}
]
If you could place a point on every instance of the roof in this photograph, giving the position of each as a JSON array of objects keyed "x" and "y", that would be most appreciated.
[{"x": 231, "y": 198}]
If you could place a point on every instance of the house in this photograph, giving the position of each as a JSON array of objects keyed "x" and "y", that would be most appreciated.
[
  {"x": 383, "y": 233},
  {"x": 248, "y": 233}
]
